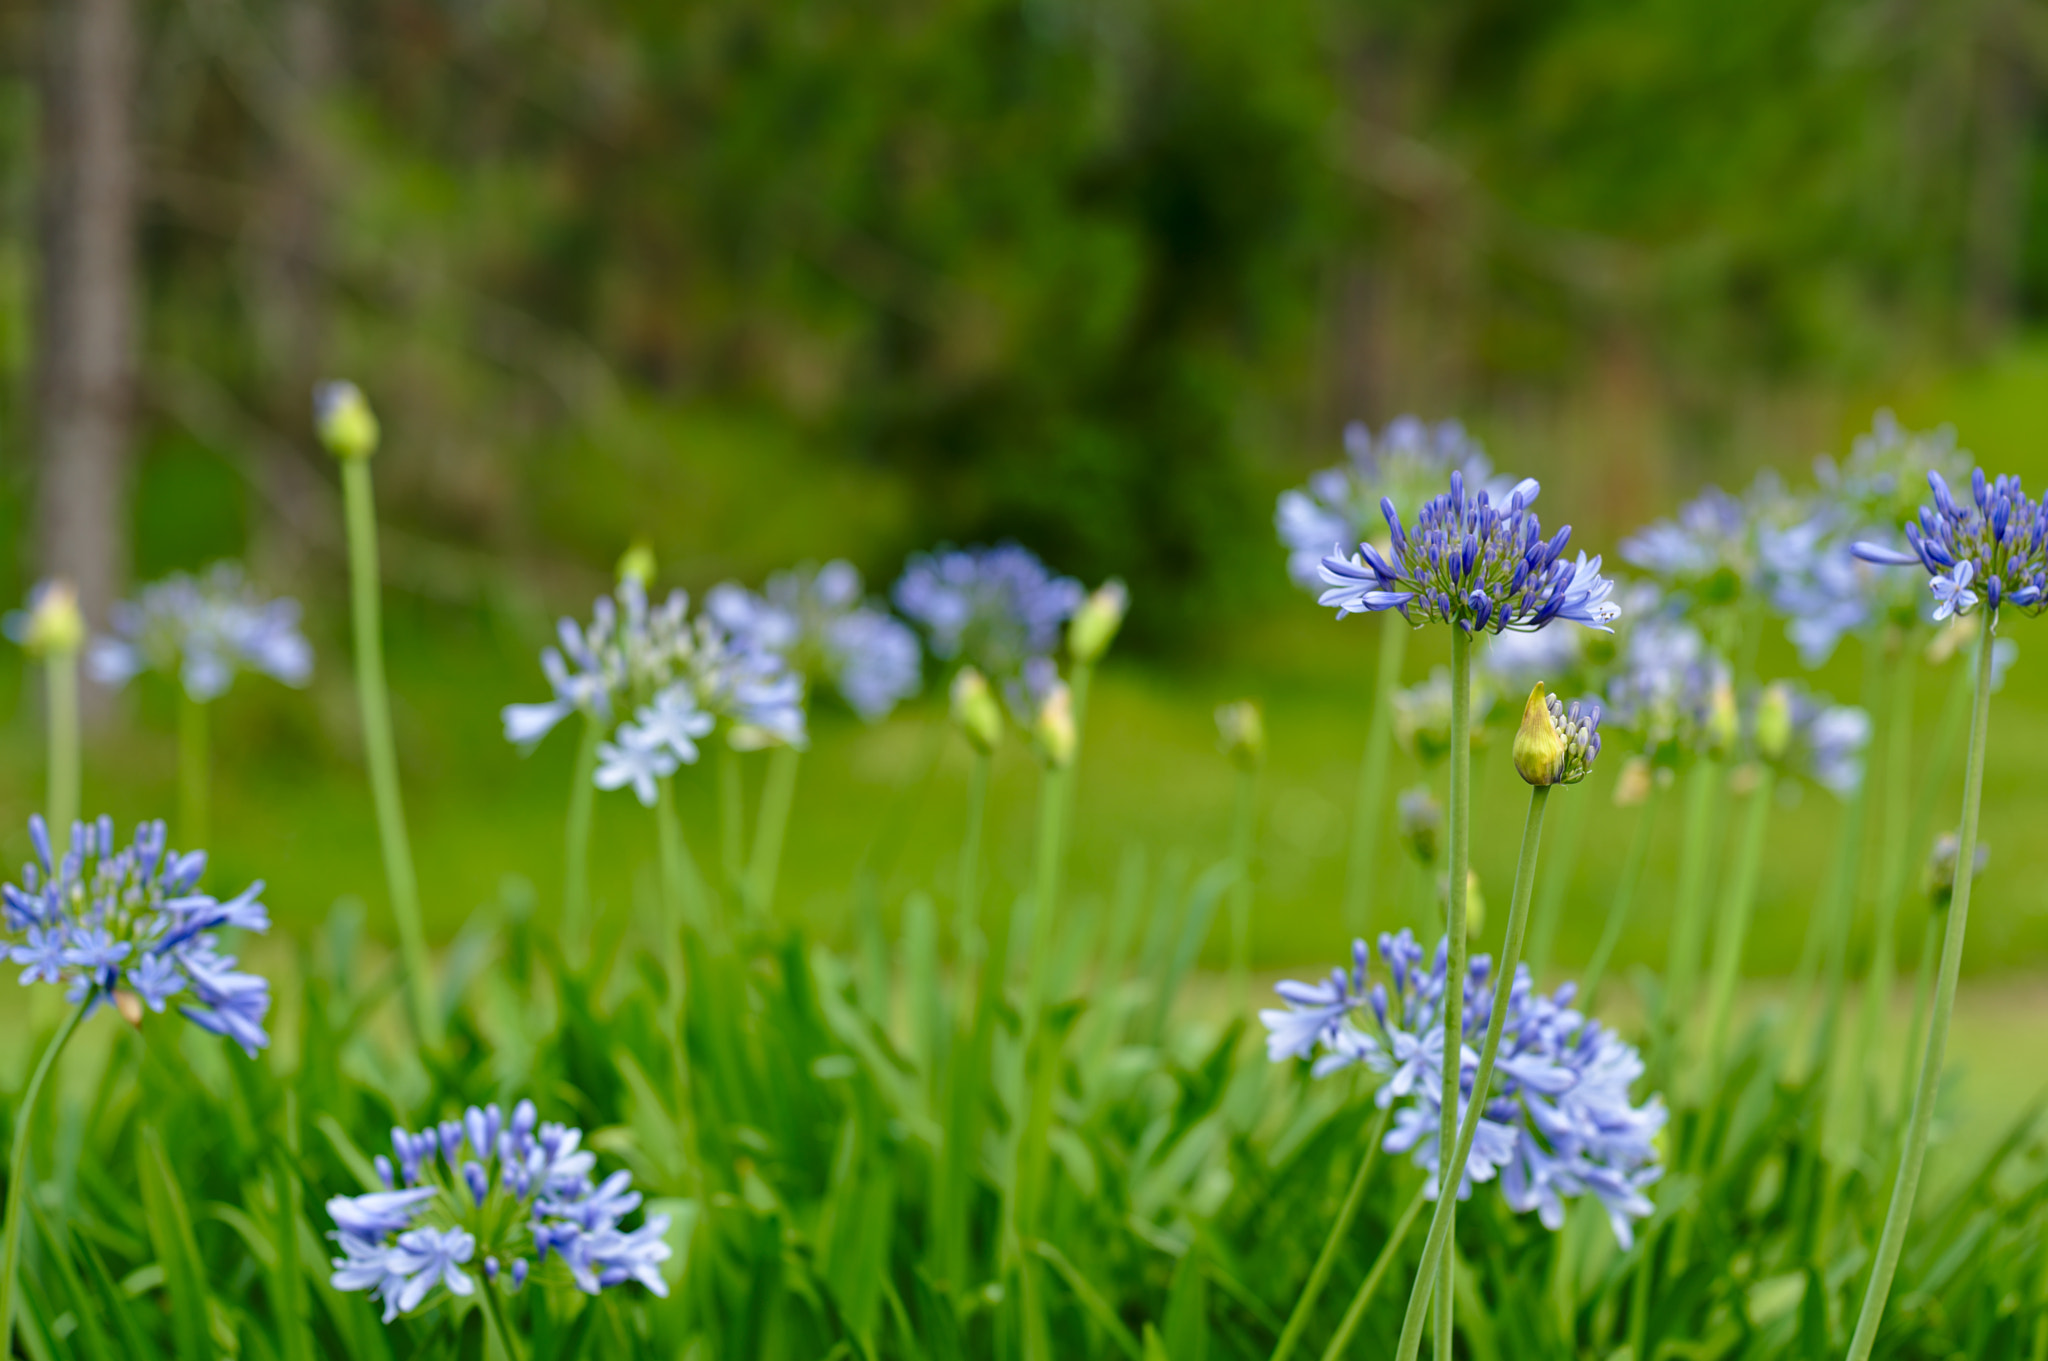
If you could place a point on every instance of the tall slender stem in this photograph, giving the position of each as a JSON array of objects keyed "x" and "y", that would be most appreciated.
[
  {"x": 1369, "y": 1287},
  {"x": 576, "y": 847},
  {"x": 192, "y": 770},
  {"x": 1732, "y": 934},
  {"x": 967, "y": 896},
  {"x": 1340, "y": 1228},
  {"x": 1460, "y": 839},
  {"x": 1891, "y": 883},
  {"x": 60, "y": 676},
  {"x": 1242, "y": 829},
  {"x": 380, "y": 751},
  {"x": 1689, "y": 927},
  {"x": 1899, "y": 1215},
  {"x": 1362, "y": 871},
  {"x": 732, "y": 822},
  {"x": 1620, "y": 905},
  {"x": 778, "y": 794},
  {"x": 1548, "y": 911},
  {"x": 1045, "y": 891},
  {"x": 682, "y": 886},
  {"x": 17, "y": 1178},
  {"x": 1465, "y": 1122}
]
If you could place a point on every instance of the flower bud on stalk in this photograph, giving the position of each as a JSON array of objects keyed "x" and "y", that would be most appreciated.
[
  {"x": 1054, "y": 728},
  {"x": 1241, "y": 734},
  {"x": 1774, "y": 722},
  {"x": 1095, "y": 624},
  {"x": 637, "y": 564},
  {"x": 344, "y": 421},
  {"x": 975, "y": 710},
  {"x": 54, "y": 626},
  {"x": 1556, "y": 745},
  {"x": 1939, "y": 878}
]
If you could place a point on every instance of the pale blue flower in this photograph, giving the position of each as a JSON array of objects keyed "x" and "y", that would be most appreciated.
[
  {"x": 1998, "y": 540},
  {"x": 1952, "y": 593},
  {"x": 990, "y": 608},
  {"x": 514, "y": 1194},
  {"x": 110, "y": 918},
  {"x": 204, "y": 630}
]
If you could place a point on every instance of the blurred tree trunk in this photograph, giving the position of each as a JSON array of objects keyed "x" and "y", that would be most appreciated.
[{"x": 85, "y": 347}]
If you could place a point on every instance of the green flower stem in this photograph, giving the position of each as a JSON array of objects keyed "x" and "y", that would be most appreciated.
[
  {"x": 17, "y": 1177},
  {"x": 1362, "y": 871},
  {"x": 778, "y": 793},
  {"x": 1619, "y": 907},
  {"x": 1900, "y": 1213},
  {"x": 1548, "y": 911},
  {"x": 682, "y": 886},
  {"x": 1465, "y": 1125},
  {"x": 1732, "y": 932},
  {"x": 1460, "y": 860},
  {"x": 1369, "y": 1287},
  {"x": 380, "y": 751},
  {"x": 1923, "y": 984},
  {"x": 1045, "y": 893},
  {"x": 1827, "y": 932},
  {"x": 1891, "y": 880},
  {"x": 1243, "y": 827},
  {"x": 495, "y": 1325},
  {"x": 967, "y": 896},
  {"x": 192, "y": 770},
  {"x": 980, "y": 984},
  {"x": 732, "y": 821},
  {"x": 1689, "y": 926},
  {"x": 576, "y": 848},
  {"x": 60, "y": 676},
  {"x": 1340, "y": 1229}
]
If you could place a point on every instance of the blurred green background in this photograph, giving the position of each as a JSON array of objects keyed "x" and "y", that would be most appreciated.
[{"x": 770, "y": 282}]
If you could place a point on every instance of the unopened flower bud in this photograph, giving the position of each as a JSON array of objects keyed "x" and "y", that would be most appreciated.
[
  {"x": 637, "y": 564},
  {"x": 1054, "y": 727},
  {"x": 1939, "y": 878},
  {"x": 1539, "y": 747},
  {"x": 1419, "y": 817},
  {"x": 344, "y": 421},
  {"x": 1722, "y": 722},
  {"x": 1094, "y": 625},
  {"x": 976, "y": 711},
  {"x": 129, "y": 1005},
  {"x": 53, "y": 624},
  {"x": 1241, "y": 734},
  {"x": 1774, "y": 721}
]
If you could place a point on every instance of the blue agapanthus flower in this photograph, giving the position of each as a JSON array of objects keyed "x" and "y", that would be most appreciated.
[
  {"x": 204, "y": 630},
  {"x": 990, "y": 608},
  {"x": 1406, "y": 463},
  {"x": 1474, "y": 564},
  {"x": 658, "y": 680},
  {"x": 127, "y": 924},
  {"x": 1826, "y": 742},
  {"x": 819, "y": 621},
  {"x": 1992, "y": 549},
  {"x": 510, "y": 1200},
  {"x": 1559, "y": 1121}
]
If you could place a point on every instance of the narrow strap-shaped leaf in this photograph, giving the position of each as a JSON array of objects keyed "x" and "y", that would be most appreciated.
[
  {"x": 1091, "y": 1300},
  {"x": 92, "y": 1341},
  {"x": 177, "y": 1251},
  {"x": 135, "y": 1343}
]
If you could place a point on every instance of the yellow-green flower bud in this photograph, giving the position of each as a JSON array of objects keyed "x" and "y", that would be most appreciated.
[
  {"x": 344, "y": 421},
  {"x": 1241, "y": 734},
  {"x": 1475, "y": 902},
  {"x": 1054, "y": 728},
  {"x": 1722, "y": 722},
  {"x": 637, "y": 564},
  {"x": 1774, "y": 721},
  {"x": 976, "y": 711},
  {"x": 54, "y": 625},
  {"x": 1094, "y": 625},
  {"x": 1539, "y": 746}
]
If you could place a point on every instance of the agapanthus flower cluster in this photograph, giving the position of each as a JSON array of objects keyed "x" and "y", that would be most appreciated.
[
  {"x": 678, "y": 678},
  {"x": 203, "y": 630},
  {"x": 1671, "y": 692},
  {"x": 1471, "y": 563},
  {"x": 1706, "y": 551},
  {"x": 1813, "y": 738},
  {"x": 126, "y": 924},
  {"x": 990, "y": 608},
  {"x": 1559, "y": 1120},
  {"x": 1409, "y": 460},
  {"x": 1992, "y": 548},
  {"x": 818, "y": 620},
  {"x": 512, "y": 1200}
]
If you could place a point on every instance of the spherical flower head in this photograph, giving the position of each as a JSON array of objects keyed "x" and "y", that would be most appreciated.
[
  {"x": 52, "y": 624},
  {"x": 976, "y": 711},
  {"x": 994, "y": 608},
  {"x": 1559, "y": 1121},
  {"x": 1419, "y": 819},
  {"x": 1473, "y": 565},
  {"x": 1670, "y": 693},
  {"x": 1707, "y": 552},
  {"x": 513, "y": 1196},
  {"x": 1095, "y": 624},
  {"x": 1556, "y": 745},
  {"x": 343, "y": 420},
  {"x": 1241, "y": 734},
  {"x": 1809, "y": 737},
  {"x": 204, "y": 630},
  {"x": 1991, "y": 549},
  {"x": 819, "y": 622},
  {"x": 126, "y": 924}
]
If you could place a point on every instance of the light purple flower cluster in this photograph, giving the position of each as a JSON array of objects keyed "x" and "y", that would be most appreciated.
[
  {"x": 1474, "y": 564},
  {"x": 990, "y": 608},
  {"x": 1408, "y": 461},
  {"x": 1990, "y": 548},
  {"x": 1826, "y": 741},
  {"x": 1707, "y": 550},
  {"x": 679, "y": 677},
  {"x": 203, "y": 630},
  {"x": 1559, "y": 1121},
  {"x": 818, "y": 619},
  {"x": 1668, "y": 684},
  {"x": 512, "y": 1198},
  {"x": 115, "y": 923}
]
